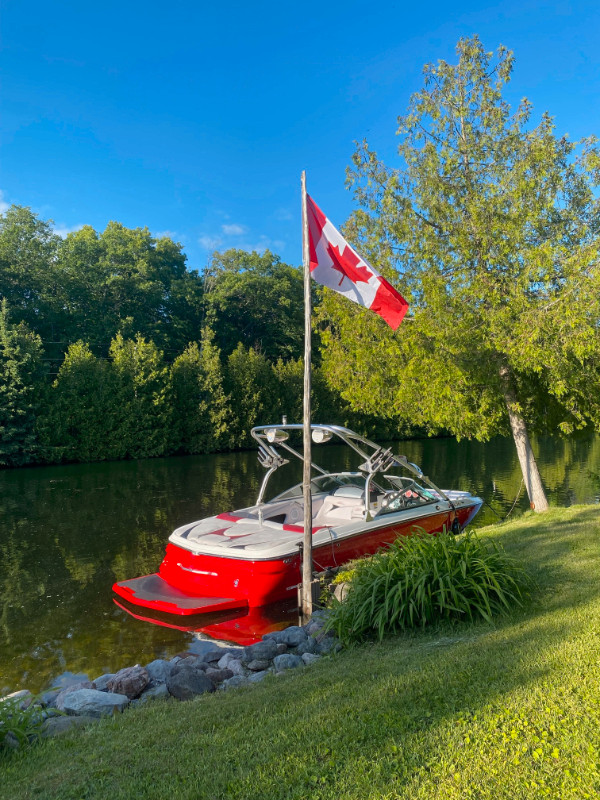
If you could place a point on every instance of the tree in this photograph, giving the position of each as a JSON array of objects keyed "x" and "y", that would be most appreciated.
[
  {"x": 141, "y": 395},
  {"x": 202, "y": 413},
  {"x": 257, "y": 300},
  {"x": 490, "y": 225},
  {"x": 28, "y": 250},
  {"x": 21, "y": 381},
  {"x": 81, "y": 415},
  {"x": 252, "y": 387},
  {"x": 124, "y": 280}
]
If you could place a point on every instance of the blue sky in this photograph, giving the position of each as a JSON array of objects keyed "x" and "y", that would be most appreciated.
[{"x": 195, "y": 119}]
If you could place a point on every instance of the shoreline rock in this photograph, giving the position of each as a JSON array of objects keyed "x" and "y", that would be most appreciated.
[{"x": 184, "y": 677}]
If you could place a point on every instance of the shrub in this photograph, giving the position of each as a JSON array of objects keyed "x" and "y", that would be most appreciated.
[
  {"x": 19, "y": 723},
  {"x": 423, "y": 579}
]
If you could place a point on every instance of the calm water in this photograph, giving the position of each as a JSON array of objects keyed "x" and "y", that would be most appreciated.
[{"x": 67, "y": 533}]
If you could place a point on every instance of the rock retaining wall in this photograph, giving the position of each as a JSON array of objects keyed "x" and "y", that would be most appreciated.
[{"x": 183, "y": 677}]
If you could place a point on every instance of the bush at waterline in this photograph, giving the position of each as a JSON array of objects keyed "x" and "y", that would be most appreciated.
[{"x": 423, "y": 579}]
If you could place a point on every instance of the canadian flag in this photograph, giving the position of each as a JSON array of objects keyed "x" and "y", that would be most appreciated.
[{"x": 334, "y": 263}]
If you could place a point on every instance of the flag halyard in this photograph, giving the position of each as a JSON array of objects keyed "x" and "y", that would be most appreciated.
[{"x": 335, "y": 263}]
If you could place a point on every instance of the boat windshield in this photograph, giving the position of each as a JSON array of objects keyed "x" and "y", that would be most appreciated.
[{"x": 323, "y": 484}]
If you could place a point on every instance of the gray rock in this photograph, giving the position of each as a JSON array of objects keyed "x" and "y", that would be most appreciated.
[
  {"x": 212, "y": 656},
  {"x": 158, "y": 692},
  {"x": 219, "y": 675},
  {"x": 159, "y": 670},
  {"x": 197, "y": 662},
  {"x": 218, "y": 652},
  {"x": 62, "y": 695},
  {"x": 93, "y": 703},
  {"x": 259, "y": 676},
  {"x": 259, "y": 664},
  {"x": 21, "y": 699},
  {"x": 281, "y": 648},
  {"x": 48, "y": 699},
  {"x": 223, "y": 662},
  {"x": 230, "y": 662},
  {"x": 325, "y": 633},
  {"x": 292, "y": 636},
  {"x": 175, "y": 659},
  {"x": 101, "y": 683},
  {"x": 310, "y": 645},
  {"x": 314, "y": 626},
  {"x": 236, "y": 666},
  {"x": 130, "y": 681},
  {"x": 328, "y": 645},
  {"x": 287, "y": 661},
  {"x": 234, "y": 683},
  {"x": 261, "y": 651},
  {"x": 56, "y": 726},
  {"x": 272, "y": 637},
  {"x": 310, "y": 658},
  {"x": 189, "y": 682}
]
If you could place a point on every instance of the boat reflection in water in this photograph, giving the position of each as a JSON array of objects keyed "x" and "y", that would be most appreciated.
[{"x": 239, "y": 626}]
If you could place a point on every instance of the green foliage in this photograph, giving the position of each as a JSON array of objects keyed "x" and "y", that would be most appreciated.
[
  {"x": 424, "y": 579},
  {"x": 81, "y": 415},
  {"x": 21, "y": 382},
  {"x": 28, "y": 251},
  {"x": 143, "y": 357},
  {"x": 488, "y": 223},
  {"x": 91, "y": 285},
  {"x": 202, "y": 415},
  {"x": 20, "y": 724},
  {"x": 346, "y": 573},
  {"x": 252, "y": 386},
  {"x": 256, "y": 300},
  {"x": 141, "y": 396}
]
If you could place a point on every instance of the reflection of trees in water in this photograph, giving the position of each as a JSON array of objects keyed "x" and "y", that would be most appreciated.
[
  {"x": 145, "y": 558},
  {"x": 17, "y": 584}
]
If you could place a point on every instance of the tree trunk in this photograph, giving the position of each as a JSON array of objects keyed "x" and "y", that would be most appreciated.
[{"x": 529, "y": 467}]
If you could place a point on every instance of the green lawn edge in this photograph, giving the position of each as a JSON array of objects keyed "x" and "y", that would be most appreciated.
[{"x": 510, "y": 710}]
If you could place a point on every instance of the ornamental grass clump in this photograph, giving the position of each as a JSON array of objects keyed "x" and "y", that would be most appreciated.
[
  {"x": 19, "y": 723},
  {"x": 424, "y": 579}
]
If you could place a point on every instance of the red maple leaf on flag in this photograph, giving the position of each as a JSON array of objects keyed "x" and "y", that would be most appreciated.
[{"x": 346, "y": 263}]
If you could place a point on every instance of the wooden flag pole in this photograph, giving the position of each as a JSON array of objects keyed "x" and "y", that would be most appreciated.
[{"x": 307, "y": 564}]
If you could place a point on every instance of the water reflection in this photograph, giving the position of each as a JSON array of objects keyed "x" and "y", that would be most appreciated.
[
  {"x": 238, "y": 626},
  {"x": 67, "y": 533}
]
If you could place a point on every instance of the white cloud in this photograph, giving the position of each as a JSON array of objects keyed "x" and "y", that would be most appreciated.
[
  {"x": 233, "y": 229},
  {"x": 63, "y": 230},
  {"x": 264, "y": 243},
  {"x": 167, "y": 234},
  {"x": 4, "y": 206},
  {"x": 210, "y": 242}
]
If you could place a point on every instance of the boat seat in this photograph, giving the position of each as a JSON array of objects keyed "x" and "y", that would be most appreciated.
[{"x": 339, "y": 509}]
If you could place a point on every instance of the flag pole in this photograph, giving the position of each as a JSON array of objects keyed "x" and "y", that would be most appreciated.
[{"x": 307, "y": 565}]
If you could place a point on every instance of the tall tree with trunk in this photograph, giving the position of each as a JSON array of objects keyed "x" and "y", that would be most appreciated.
[{"x": 489, "y": 225}]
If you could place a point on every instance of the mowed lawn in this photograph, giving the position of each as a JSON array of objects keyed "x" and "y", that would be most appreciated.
[{"x": 510, "y": 710}]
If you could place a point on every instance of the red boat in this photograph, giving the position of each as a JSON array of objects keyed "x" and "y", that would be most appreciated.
[{"x": 251, "y": 557}]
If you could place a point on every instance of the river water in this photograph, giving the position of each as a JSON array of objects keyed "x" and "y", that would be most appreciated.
[{"x": 68, "y": 533}]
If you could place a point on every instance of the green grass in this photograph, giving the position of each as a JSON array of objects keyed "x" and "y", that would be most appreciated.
[{"x": 510, "y": 710}]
